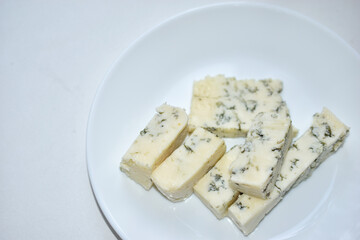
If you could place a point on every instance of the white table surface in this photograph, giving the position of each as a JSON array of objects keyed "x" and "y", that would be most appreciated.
[{"x": 53, "y": 56}]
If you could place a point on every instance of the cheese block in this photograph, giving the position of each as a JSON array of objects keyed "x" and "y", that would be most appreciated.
[
  {"x": 256, "y": 168},
  {"x": 240, "y": 102},
  {"x": 215, "y": 87},
  {"x": 325, "y": 136},
  {"x": 177, "y": 175},
  {"x": 217, "y": 115},
  {"x": 221, "y": 86},
  {"x": 162, "y": 135},
  {"x": 249, "y": 108},
  {"x": 213, "y": 188},
  {"x": 265, "y": 87},
  {"x": 231, "y": 117}
]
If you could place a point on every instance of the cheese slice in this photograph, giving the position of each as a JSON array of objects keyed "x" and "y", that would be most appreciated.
[
  {"x": 162, "y": 135},
  {"x": 240, "y": 102},
  {"x": 213, "y": 188},
  {"x": 325, "y": 136},
  {"x": 256, "y": 168},
  {"x": 177, "y": 175}
]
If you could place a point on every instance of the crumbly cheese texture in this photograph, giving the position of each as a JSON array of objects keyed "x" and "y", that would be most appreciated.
[
  {"x": 227, "y": 107},
  {"x": 326, "y": 134},
  {"x": 256, "y": 168},
  {"x": 213, "y": 188},
  {"x": 162, "y": 135},
  {"x": 177, "y": 175}
]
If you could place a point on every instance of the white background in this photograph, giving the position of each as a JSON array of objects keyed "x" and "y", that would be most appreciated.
[{"x": 53, "y": 56}]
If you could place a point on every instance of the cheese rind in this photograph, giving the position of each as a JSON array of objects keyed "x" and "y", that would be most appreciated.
[
  {"x": 256, "y": 168},
  {"x": 177, "y": 175},
  {"x": 213, "y": 188},
  {"x": 326, "y": 134},
  {"x": 162, "y": 135}
]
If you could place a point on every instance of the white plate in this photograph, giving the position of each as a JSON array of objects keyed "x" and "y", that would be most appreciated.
[{"x": 247, "y": 41}]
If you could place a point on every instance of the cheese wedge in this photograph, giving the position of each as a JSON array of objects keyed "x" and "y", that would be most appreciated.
[
  {"x": 213, "y": 188},
  {"x": 256, "y": 168},
  {"x": 177, "y": 175},
  {"x": 162, "y": 135},
  {"x": 325, "y": 136}
]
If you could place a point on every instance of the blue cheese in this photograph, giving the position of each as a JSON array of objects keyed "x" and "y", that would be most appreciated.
[
  {"x": 241, "y": 102},
  {"x": 177, "y": 175},
  {"x": 326, "y": 134},
  {"x": 217, "y": 115},
  {"x": 213, "y": 188},
  {"x": 253, "y": 105},
  {"x": 266, "y": 87},
  {"x": 215, "y": 87},
  {"x": 255, "y": 170},
  {"x": 162, "y": 135}
]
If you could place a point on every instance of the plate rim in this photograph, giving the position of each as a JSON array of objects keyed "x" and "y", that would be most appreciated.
[{"x": 104, "y": 210}]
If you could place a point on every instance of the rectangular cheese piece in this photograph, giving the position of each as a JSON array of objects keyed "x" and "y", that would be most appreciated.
[
  {"x": 162, "y": 135},
  {"x": 265, "y": 87},
  {"x": 252, "y": 105},
  {"x": 215, "y": 87},
  {"x": 217, "y": 115},
  {"x": 221, "y": 86},
  {"x": 177, "y": 175},
  {"x": 240, "y": 102},
  {"x": 213, "y": 188},
  {"x": 256, "y": 168},
  {"x": 325, "y": 136}
]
